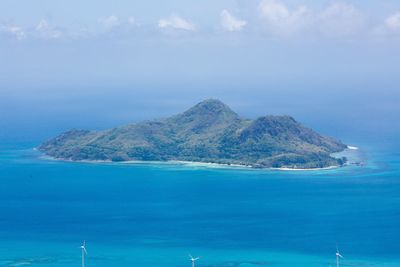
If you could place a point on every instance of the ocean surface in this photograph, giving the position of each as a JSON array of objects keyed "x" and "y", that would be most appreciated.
[{"x": 156, "y": 214}]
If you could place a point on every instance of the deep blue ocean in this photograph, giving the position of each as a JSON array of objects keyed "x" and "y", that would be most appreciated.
[{"x": 156, "y": 214}]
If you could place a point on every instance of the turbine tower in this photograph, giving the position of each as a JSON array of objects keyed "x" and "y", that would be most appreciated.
[
  {"x": 338, "y": 256},
  {"x": 193, "y": 259},
  {"x": 84, "y": 252}
]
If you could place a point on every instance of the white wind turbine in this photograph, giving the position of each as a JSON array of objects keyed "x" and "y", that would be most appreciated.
[
  {"x": 84, "y": 252},
  {"x": 338, "y": 256},
  {"x": 193, "y": 259}
]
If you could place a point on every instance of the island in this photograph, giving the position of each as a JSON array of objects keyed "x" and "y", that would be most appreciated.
[{"x": 209, "y": 132}]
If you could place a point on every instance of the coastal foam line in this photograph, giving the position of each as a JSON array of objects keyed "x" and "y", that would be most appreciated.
[{"x": 352, "y": 147}]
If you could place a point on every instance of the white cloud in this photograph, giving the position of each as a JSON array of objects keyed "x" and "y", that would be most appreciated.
[
  {"x": 281, "y": 20},
  {"x": 14, "y": 31},
  {"x": 176, "y": 22},
  {"x": 274, "y": 11},
  {"x": 231, "y": 23},
  {"x": 43, "y": 25},
  {"x": 131, "y": 20},
  {"x": 339, "y": 19},
  {"x": 389, "y": 28},
  {"x": 393, "y": 22},
  {"x": 44, "y": 30},
  {"x": 110, "y": 22}
]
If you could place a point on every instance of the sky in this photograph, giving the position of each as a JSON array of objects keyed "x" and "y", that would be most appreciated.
[{"x": 333, "y": 65}]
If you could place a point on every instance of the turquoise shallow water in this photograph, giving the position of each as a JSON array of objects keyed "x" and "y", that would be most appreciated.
[{"x": 156, "y": 214}]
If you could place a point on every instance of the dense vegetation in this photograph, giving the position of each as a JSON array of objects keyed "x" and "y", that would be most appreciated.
[{"x": 208, "y": 132}]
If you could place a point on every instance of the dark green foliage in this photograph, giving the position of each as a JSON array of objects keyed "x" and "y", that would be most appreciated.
[{"x": 208, "y": 132}]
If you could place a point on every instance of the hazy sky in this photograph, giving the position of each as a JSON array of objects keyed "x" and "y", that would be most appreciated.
[{"x": 332, "y": 64}]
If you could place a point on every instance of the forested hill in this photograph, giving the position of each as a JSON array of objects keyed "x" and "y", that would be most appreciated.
[{"x": 208, "y": 132}]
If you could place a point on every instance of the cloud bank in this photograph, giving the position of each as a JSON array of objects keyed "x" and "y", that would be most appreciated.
[{"x": 269, "y": 19}]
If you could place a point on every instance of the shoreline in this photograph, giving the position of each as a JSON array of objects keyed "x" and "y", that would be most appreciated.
[
  {"x": 152, "y": 162},
  {"x": 194, "y": 164}
]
